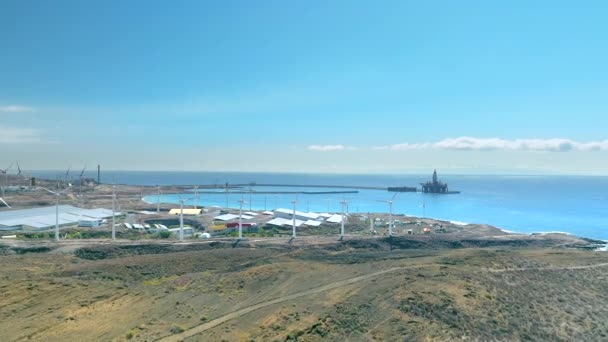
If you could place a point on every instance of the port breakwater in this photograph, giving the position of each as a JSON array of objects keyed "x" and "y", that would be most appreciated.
[{"x": 246, "y": 188}]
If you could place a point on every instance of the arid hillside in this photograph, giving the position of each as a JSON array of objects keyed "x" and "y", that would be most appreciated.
[{"x": 273, "y": 290}]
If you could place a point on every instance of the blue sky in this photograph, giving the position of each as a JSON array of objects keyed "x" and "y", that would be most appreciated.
[{"x": 338, "y": 86}]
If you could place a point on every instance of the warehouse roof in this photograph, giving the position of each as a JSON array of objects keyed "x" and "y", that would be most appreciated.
[
  {"x": 45, "y": 216},
  {"x": 186, "y": 211}
]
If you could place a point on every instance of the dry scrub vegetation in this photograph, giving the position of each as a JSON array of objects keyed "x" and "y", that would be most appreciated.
[{"x": 149, "y": 292}]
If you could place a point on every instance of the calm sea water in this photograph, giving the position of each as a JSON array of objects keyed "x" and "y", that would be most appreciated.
[{"x": 572, "y": 204}]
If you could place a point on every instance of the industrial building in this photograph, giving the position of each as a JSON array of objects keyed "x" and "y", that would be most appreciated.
[{"x": 45, "y": 217}]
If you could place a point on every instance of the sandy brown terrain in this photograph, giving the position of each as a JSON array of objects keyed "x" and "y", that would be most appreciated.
[{"x": 312, "y": 289}]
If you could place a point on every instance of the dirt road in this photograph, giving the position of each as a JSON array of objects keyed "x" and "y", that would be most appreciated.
[
  {"x": 220, "y": 320},
  {"x": 548, "y": 268}
]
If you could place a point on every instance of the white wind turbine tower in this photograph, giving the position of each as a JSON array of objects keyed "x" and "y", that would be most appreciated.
[
  {"x": 67, "y": 175},
  {"x": 250, "y": 198},
  {"x": 293, "y": 234},
  {"x": 250, "y": 191},
  {"x": 181, "y": 216},
  {"x": 390, "y": 214},
  {"x": 57, "y": 194},
  {"x": 343, "y": 203},
  {"x": 226, "y": 189},
  {"x": 371, "y": 224},
  {"x": 196, "y": 197},
  {"x": 158, "y": 199},
  {"x": 241, "y": 218},
  {"x": 19, "y": 171},
  {"x": 113, "y": 212},
  {"x": 5, "y": 172}
]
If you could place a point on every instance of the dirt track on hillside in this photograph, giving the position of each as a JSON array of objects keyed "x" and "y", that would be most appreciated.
[{"x": 213, "y": 323}]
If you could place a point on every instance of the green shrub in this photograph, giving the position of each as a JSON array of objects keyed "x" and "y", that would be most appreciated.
[
  {"x": 164, "y": 234},
  {"x": 130, "y": 334},
  {"x": 176, "y": 329}
]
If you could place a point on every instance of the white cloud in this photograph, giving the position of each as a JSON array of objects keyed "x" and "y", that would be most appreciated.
[
  {"x": 327, "y": 148},
  {"x": 492, "y": 144},
  {"x": 13, "y": 135},
  {"x": 15, "y": 109}
]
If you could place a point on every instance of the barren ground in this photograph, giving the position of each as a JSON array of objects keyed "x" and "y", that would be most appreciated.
[{"x": 312, "y": 289}]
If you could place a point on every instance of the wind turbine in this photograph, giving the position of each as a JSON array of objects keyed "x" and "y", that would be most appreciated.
[
  {"x": 115, "y": 206},
  {"x": 6, "y": 204},
  {"x": 196, "y": 197},
  {"x": 5, "y": 172},
  {"x": 158, "y": 199},
  {"x": 390, "y": 214},
  {"x": 18, "y": 170},
  {"x": 371, "y": 224},
  {"x": 181, "y": 216},
  {"x": 21, "y": 173},
  {"x": 67, "y": 174},
  {"x": 241, "y": 218},
  {"x": 293, "y": 234},
  {"x": 57, "y": 194},
  {"x": 226, "y": 188},
  {"x": 113, "y": 212},
  {"x": 344, "y": 204},
  {"x": 250, "y": 191}
]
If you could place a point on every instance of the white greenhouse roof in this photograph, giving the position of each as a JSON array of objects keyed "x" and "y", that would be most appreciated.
[
  {"x": 46, "y": 217},
  {"x": 313, "y": 223},
  {"x": 335, "y": 219},
  {"x": 284, "y": 222},
  {"x": 226, "y": 217},
  {"x": 311, "y": 216}
]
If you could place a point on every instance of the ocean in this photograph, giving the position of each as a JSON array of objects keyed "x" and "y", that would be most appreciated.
[{"x": 528, "y": 204}]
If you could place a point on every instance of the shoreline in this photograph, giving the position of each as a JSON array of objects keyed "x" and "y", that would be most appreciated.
[
  {"x": 137, "y": 198},
  {"x": 454, "y": 222}
]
